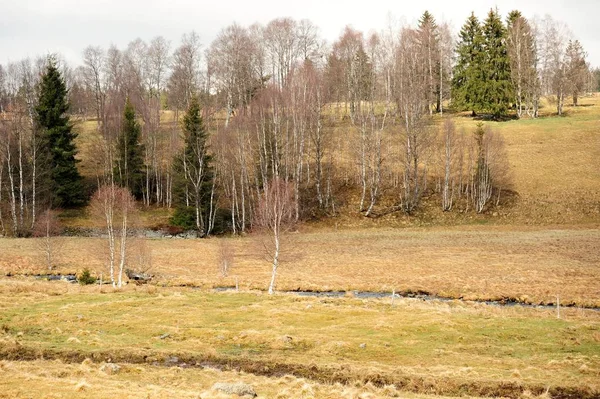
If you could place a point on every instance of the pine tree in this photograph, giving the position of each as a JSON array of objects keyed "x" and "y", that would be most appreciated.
[
  {"x": 129, "y": 168},
  {"x": 57, "y": 137},
  {"x": 497, "y": 85},
  {"x": 467, "y": 83},
  {"x": 194, "y": 176}
]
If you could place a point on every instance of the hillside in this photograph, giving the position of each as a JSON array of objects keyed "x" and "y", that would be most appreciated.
[{"x": 554, "y": 164}]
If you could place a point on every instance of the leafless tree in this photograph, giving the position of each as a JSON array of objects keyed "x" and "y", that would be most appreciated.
[
  {"x": 94, "y": 60},
  {"x": 577, "y": 69},
  {"x": 3, "y": 91},
  {"x": 491, "y": 174},
  {"x": 115, "y": 207},
  {"x": 412, "y": 102},
  {"x": 139, "y": 259},
  {"x": 15, "y": 154},
  {"x": 156, "y": 144},
  {"x": 47, "y": 228},
  {"x": 185, "y": 76},
  {"x": 451, "y": 154},
  {"x": 552, "y": 37},
  {"x": 446, "y": 59},
  {"x": 226, "y": 257},
  {"x": 370, "y": 132},
  {"x": 310, "y": 46},
  {"x": 230, "y": 60},
  {"x": 427, "y": 39},
  {"x": 282, "y": 44},
  {"x": 523, "y": 64},
  {"x": 347, "y": 64},
  {"x": 275, "y": 216}
]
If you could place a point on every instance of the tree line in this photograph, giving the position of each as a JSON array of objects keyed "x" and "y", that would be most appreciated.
[{"x": 210, "y": 131}]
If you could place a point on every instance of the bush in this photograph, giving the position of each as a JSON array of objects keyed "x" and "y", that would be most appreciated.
[
  {"x": 184, "y": 217},
  {"x": 85, "y": 278}
]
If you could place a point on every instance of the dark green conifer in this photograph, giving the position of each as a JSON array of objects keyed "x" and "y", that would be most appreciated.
[
  {"x": 194, "y": 175},
  {"x": 129, "y": 168},
  {"x": 57, "y": 140},
  {"x": 467, "y": 83},
  {"x": 497, "y": 82}
]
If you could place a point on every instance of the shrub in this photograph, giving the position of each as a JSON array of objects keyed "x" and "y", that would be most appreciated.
[
  {"x": 85, "y": 278},
  {"x": 184, "y": 217}
]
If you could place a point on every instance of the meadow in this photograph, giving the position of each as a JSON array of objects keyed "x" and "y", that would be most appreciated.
[
  {"x": 362, "y": 347},
  {"x": 177, "y": 336},
  {"x": 527, "y": 264}
]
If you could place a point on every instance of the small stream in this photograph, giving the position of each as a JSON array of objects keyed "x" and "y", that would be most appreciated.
[
  {"x": 419, "y": 295},
  {"x": 71, "y": 278}
]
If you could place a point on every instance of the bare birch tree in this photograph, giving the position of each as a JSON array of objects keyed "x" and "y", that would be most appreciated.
[
  {"x": 115, "y": 207},
  {"x": 230, "y": 58},
  {"x": 412, "y": 101},
  {"x": 521, "y": 47},
  {"x": 47, "y": 229},
  {"x": 491, "y": 174},
  {"x": 451, "y": 154},
  {"x": 275, "y": 216},
  {"x": 577, "y": 69},
  {"x": 94, "y": 59},
  {"x": 185, "y": 77},
  {"x": 552, "y": 38}
]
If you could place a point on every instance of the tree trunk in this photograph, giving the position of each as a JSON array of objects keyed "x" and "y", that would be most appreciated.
[
  {"x": 123, "y": 246},
  {"x": 21, "y": 183},
  {"x": 275, "y": 264},
  {"x": 2, "y": 227}
]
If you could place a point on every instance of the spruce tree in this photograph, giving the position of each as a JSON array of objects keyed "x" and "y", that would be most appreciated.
[
  {"x": 497, "y": 92},
  {"x": 194, "y": 175},
  {"x": 129, "y": 168},
  {"x": 467, "y": 82},
  {"x": 57, "y": 138}
]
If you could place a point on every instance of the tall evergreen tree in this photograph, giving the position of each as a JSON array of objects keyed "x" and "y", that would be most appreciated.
[
  {"x": 193, "y": 184},
  {"x": 467, "y": 82},
  {"x": 497, "y": 85},
  {"x": 129, "y": 168},
  {"x": 57, "y": 138}
]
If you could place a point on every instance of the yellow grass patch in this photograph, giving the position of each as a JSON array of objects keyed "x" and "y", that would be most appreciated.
[
  {"x": 419, "y": 346},
  {"x": 532, "y": 265}
]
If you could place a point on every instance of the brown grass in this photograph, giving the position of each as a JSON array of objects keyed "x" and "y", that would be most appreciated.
[
  {"x": 555, "y": 162},
  {"x": 532, "y": 265},
  {"x": 55, "y": 379},
  {"x": 443, "y": 348}
]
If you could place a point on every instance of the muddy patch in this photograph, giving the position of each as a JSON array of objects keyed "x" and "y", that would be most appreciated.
[{"x": 323, "y": 374}]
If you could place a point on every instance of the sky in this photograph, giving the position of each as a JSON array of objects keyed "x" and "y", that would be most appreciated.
[{"x": 29, "y": 28}]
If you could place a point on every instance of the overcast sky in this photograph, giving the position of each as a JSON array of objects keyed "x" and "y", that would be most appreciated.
[{"x": 37, "y": 27}]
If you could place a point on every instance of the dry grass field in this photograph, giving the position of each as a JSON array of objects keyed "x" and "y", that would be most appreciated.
[
  {"x": 56, "y": 379},
  {"x": 368, "y": 346},
  {"x": 555, "y": 164},
  {"x": 529, "y": 264}
]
